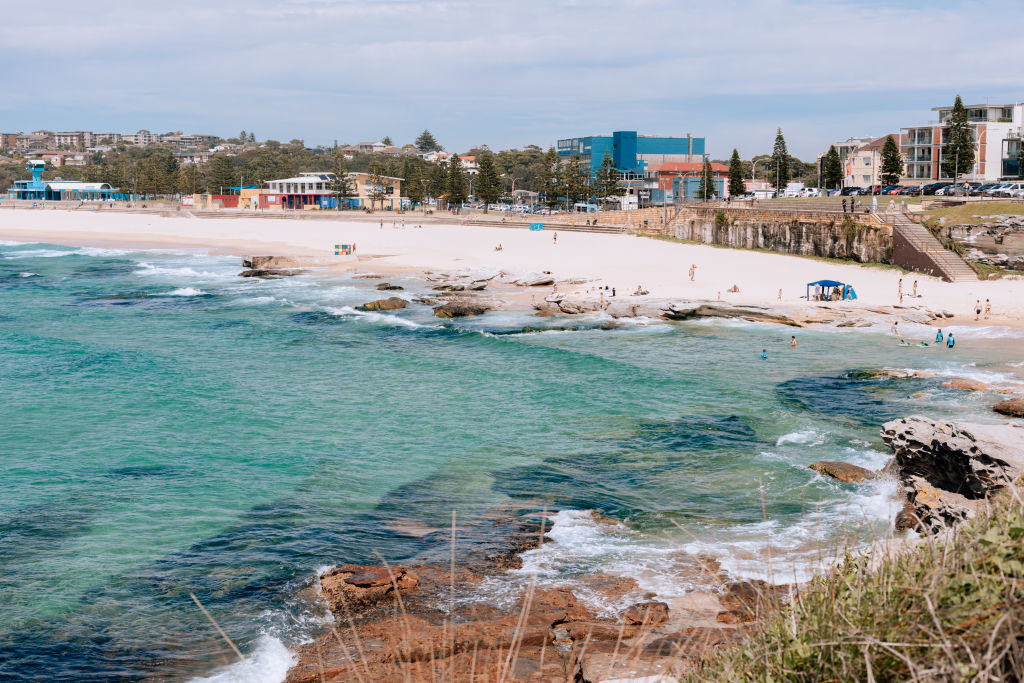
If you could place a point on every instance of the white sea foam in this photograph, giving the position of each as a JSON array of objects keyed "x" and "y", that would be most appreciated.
[
  {"x": 803, "y": 436},
  {"x": 268, "y": 662},
  {"x": 383, "y": 318},
  {"x": 149, "y": 270},
  {"x": 186, "y": 291},
  {"x": 28, "y": 275},
  {"x": 965, "y": 332}
]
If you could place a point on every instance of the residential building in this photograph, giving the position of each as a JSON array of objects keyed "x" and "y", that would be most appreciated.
[
  {"x": 313, "y": 190},
  {"x": 189, "y": 158},
  {"x": 468, "y": 161},
  {"x": 631, "y": 154},
  {"x": 370, "y": 147},
  {"x": 78, "y": 139},
  {"x": 997, "y": 130},
  {"x": 40, "y": 139},
  {"x": 141, "y": 139},
  {"x": 59, "y": 157},
  {"x": 48, "y": 190},
  {"x": 9, "y": 140},
  {"x": 184, "y": 142},
  {"x": 844, "y": 148},
  {"x": 862, "y": 166},
  {"x": 683, "y": 179}
]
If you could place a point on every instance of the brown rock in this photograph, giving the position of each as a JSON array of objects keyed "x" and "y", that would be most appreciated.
[
  {"x": 645, "y": 613},
  {"x": 1014, "y": 407},
  {"x": 974, "y": 385},
  {"x": 354, "y": 587},
  {"x": 842, "y": 471},
  {"x": 392, "y": 303},
  {"x": 906, "y": 518},
  {"x": 747, "y": 600},
  {"x": 387, "y": 286},
  {"x": 450, "y": 288},
  {"x": 461, "y": 308},
  {"x": 270, "y": 274}
]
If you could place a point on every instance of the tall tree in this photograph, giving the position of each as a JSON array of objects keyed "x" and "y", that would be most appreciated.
[
  {"x": 1020, "y": 161},
  {"x": 190, "y": 179},
  {"x": 779, "y": 171},
  {"x": 488, "y": 183},
  {"x": 426, "y": 142},
  {"x": 736, "y": 185},
  {"x": 457, "y": 189},
  {"x": 222, "y": 175},
  {"x": 573, "y": 181},
  {"x": 413, "y": 181},
  {"x": 958, "y": 148},
  {"x": 706, "y": 190},
  {"x": 342, "y": 187},
  {"x": 607, "y": 184},
  {"x": 438, "y": 180},
  {"x": 387, "y": 141},
  {"x": 548, "y": 181},
  {"x": 892, "y": 162},
  {"x": 832, "y": 169},
  {"x": 376, "y": 182}
]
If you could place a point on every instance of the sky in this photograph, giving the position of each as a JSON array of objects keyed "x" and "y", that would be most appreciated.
[{"x": 506, "y": 74}]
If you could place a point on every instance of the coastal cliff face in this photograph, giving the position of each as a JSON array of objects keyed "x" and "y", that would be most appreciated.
[
  {"x": 806, "y": 236},
  {"x": 949, "y": 469}
]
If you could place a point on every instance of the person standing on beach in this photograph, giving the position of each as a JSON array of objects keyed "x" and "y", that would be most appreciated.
[
  {"x": 977, "y": 309},
  {"x": 899, "y": 290},
  {"x": 915, "y": 289},
  {"x": 555, "y": 239},
  {"x": 780, "y": 294},
  {"x": 693, "y": 271},
  {"x": 988, "y": 308}
]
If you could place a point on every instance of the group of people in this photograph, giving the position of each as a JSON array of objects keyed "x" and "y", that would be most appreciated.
[
  {"x": 978, "y": 309},
  {"x": 792, "y": 344},
  {"x": 640, "y": 291},
  {"x": 899, "y": 290}
]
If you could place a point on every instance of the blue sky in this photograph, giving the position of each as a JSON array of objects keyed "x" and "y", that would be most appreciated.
[{"x": 505, "y": 73}]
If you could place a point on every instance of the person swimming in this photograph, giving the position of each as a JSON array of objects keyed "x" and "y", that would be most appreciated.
[{"x": 764, "y": 354}]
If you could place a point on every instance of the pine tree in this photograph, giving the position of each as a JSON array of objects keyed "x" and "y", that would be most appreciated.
[
  {"x": 488, "y": 184},
  {"x": 706, "y": 189},
  {"x": 342, "y": 187},
  {"x": 892, "y": 162},
  {"x": 426, "y": 142},
  {"x": 832, "y": 170},
  {"x": 958, "y": 149},
  {"x": 572, "y": 181},
  {"x": 779, "y": 170},
  {"x": 438, "y": 180},
  {"x": 252, "y": 136},
  {"x": 737, "y": 187},
  {"x": 376, "y": 186},
  {"x": 222, "y": 175},
  {"x": 548, "y": 178},
  {"x": 457, "y": 190},
  {"x": 413, "y": 182},
  {"x": 607, "y": 183},
  {"x": 387, "y": 141}
]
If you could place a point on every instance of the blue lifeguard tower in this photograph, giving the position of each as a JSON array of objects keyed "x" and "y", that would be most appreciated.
[{"x": 50, "y": 190}]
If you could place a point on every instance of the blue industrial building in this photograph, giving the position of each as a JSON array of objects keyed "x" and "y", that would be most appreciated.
[
  {"x": 632, "y": 154},
  {"x": 39, "y": 189}
]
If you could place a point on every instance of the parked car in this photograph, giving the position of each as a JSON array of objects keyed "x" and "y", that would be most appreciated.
[
  {"x": 932, "y": 188},
  {"x": 1011, "y": 190},
  {"x": 994, "y": 190},
  {"x": 852, "y": 190},
  {"x": 892, "y": 189},
  {"x": 888, "y": 188},
  {"x": 909, "y": 191},
  {"x": 977, "y": 190}
]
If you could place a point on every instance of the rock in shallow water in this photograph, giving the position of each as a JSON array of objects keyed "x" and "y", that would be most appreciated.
[
  {"x": 842, "y": 471},
  {"x": 461, "y": 308},
  {"x": 1014, "y": 407},
  {"x": 392, "y": 303},
  {"x": 352, "y": 587}
]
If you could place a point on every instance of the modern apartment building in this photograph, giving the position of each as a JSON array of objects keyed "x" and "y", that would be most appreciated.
[
  {"x": 845, "y": 149},
  {"x": 997, "y": 130},
  {"x": 632, "y": 154},
  {"x": 314, "y": 190},
  {"x": 862, "y": 167}
]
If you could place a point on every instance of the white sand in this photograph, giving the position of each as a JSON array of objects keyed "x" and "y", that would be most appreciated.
[{"x": 620, "y": 261}]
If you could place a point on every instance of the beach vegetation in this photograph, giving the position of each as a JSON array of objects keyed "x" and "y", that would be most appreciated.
[
  {"x": 222, "y": 174},
  {"x": 721, "y": 220},
  {"x": 779, "y": 169},
  {"x": 488, "y": 184},
  {"x": 892, "y": 162},
  {"x": 832, "y": 172},
  {"x": 958, "y": 150},
  {"x": 950, "y": 608},
  {"x": 736, "y": 185}
]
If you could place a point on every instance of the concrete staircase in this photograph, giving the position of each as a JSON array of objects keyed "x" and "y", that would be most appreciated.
[{"x": 916, "y": 248}]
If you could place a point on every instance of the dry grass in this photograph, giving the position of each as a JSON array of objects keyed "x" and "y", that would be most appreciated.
[
  {"x": 952, "y": 609},
  {"x": 968, "y": 213}
]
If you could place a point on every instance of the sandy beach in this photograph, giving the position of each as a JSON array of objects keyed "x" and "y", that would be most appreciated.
[{"x": 619, "y": 261}]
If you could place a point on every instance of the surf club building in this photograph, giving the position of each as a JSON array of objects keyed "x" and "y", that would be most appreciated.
[
  {"x": 313, "y": 191},
  {"x": 38, "y": 189}
]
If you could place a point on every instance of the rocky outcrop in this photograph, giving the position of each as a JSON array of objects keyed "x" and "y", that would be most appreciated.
[
  {"x": 645, "y": 613},
  {"x": 387, "y": 287},
  {"x": 969, "y": 384},
  {"x": 1014, "y": 407},
  {"x": 271, "y": 262},
  {"x": 949, "y": 469},
  {"x": 461, "y": 308},
  {"x": 354, "y": 587},
  {"x": 270, "y": 274},
  {"x": 536, "y": 280},
  {"x": 842, "y": 471},
  {"x": 392, "y": 303}
]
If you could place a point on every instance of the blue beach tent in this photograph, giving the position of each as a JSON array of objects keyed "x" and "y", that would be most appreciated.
[{"x": 848, "y": 291}]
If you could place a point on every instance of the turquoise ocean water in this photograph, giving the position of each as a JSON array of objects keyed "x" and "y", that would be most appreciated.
[{"x": 167, "y": 427}]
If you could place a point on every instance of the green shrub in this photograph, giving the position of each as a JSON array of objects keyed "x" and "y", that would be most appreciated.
[{"x": 721, "y": 220}]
